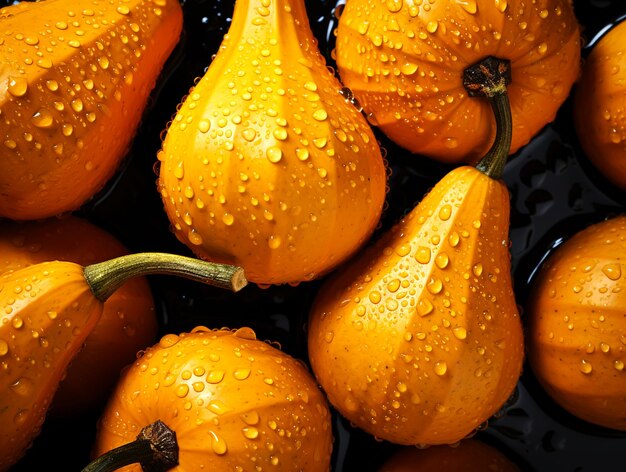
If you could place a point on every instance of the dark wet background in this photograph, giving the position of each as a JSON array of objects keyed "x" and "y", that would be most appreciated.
[{"x": 555, "y": 192}]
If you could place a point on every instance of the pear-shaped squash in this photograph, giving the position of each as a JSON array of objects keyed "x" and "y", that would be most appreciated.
[
  {"x": 577, "y": 324},
  {"x": 128, "y": 322},
  {"x": 74, "y": 81},
  {"x": 418, "y": 339},
  {"x": 404, "y": 61},
  {"x": 233, "y": 402},
  {"x": 266, "y": 165},
  {"x": 48, "y": 310}
]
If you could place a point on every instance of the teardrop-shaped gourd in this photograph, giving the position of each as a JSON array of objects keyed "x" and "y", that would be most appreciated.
[
  {"x": 418, "y": 340},
  {"x": 128, "y": 322},
  {"x": 576, "y": 316},
  {"x": 47, "y": 310},
  {"x": 74, "y": 81},
  {"x": 404, "y": 62},
  {"x": 266, "y": 165},
  {"x": 234, "y": 403}
]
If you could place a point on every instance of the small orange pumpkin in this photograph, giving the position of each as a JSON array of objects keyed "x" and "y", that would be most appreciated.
[
  {"x": 404, "y": 62},
  {"x": 576, "y": 316},
  {"x": 233, "y": 402},
  {"x": 74, "y": 81},
  {"x": 128, "y": 321},
  {"x": 599, "y": 105}
]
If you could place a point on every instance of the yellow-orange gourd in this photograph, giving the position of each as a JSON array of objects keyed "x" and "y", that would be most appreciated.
[
  {"x": 577, "y": 324},
  {"x": 234, "y": 402},
  {"x": 266, "y": 165},
  {"x": 418, "y": 340},
  {"x": 128, "y": 322},
  {"x": 47, "y": 312},
  {"x": 74, "y": 81},
  {"x": 599, "y": 104},
  {"x": 404, "y": 62}
]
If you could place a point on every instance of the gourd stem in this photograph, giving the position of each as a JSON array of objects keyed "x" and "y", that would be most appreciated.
[
  {"x": 106, "y": 277},
  {"x": 489, "y": 78},
  {"x": 155, "y": 448}
]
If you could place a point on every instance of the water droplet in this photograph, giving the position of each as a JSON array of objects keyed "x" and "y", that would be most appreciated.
[
  {"x": 42, "y": 119},
  {"x": 123, "y": 10},
  {"x": 424, "y": 307},
  {"x": 4, "y": 348},
  {"x": 215, "y": 376},
  {"x": 228, "y": 219},
  {"x": 182, "y": 390},
  {"x": 218, "y": 444},
  {"x": 250, "y": 432},
  {"x": 204, "y": 126},
  {"x": 218, "y": 407},
  {"x": 477, "y": 269},
  {"x": 320, "y": 115},
  {"x": 585, "y": 367},
  {"x": 441, "y": 368},
  {"x": 168, "y": 340},
  {"x": 274, "y": 242},
  {"x": 460, "y": 332},
  {"x": 18, "y": 86},
  {"x": 274, "y": 154},
  {"x": 469, "y": 6},
  {"x": 435, "y": 286},
  {"x": 442, "y": 260},
  {"x": 241, "y": 374},
  {"x": 251, "y": 418},
  {"x": 613, "y": 271},
  {"x": 422, "y": 255},
  {"x": 619, "y": 365},
  {"x": 374, "y": 297}
]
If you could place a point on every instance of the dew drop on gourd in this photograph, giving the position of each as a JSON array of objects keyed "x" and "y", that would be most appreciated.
[
  {"x": 218, "y": 444},
  {"x": 422, "y": 255},
  {"x": 42, "y": 119},
  {"x": 442, "y": 260},
  {"x": 18, "y": 86},
  {"x": 215, "y": 376},
  {"x": 4, "y": 348},
  {"x": 585, "y": 367},
  {"x": 250, "y": 432},
  {"x": 441, "y": 368},
  {"x": 251, "y": 418},
  {"x": 613, "y": 271}
]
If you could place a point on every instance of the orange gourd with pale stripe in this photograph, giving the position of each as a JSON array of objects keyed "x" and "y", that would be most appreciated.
[
  {"x": 75, "y": 78},
  {"x": 266, "y": 164}
]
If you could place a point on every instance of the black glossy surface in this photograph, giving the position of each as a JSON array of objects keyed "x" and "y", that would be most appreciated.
[{"x": 554, "y": 191}]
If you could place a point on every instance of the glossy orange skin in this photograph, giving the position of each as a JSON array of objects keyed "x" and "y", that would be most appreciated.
[
  {"x": 576, "y": 324},
  {"x": 418, "y": 340},
  {"x": 48, "y": 310},
  {"x": 599, "y": 105},
  {"x": 265, "y": 164},
  {"x": 235, "y": 403},
  {"x": 128, "y": 322},
  {"x": 470, "y": 455},
  {"x": 404, "y": 62},
  {"x": 75, "y": 78}
]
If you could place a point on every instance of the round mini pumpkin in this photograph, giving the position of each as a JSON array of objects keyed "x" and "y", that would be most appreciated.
[
  {"x": 404, "y": 63},
  {"x": 600, "y": 104},
  {"x": 234, "y": 402},
  {"x": 576, "y": 317}
]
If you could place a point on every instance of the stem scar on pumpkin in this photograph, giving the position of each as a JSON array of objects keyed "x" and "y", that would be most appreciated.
[
  {"x": 155, "y": 448},
  {"x": 489, "y": 78}
]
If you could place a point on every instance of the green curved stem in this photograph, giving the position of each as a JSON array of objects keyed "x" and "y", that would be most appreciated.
[
  {"x": 489, "y": 78},
  {"x": 106, "y": 277}
]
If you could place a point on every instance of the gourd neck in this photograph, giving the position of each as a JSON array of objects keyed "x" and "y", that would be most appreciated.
[
  {"x": 104, "y": 278},
  {"x": 279, "y": 21},
  {"x": 489, "y": 78}
]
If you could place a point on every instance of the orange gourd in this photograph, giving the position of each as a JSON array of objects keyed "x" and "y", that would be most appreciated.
[
  {"x": 404, "y": 63},
  {"x": 577, "y": 324},
  {"x": 470, "y": 455},
  {"x": 599, "y": 104},
  {"x": 47, "y": 312},
  {"x": 233, "y": 402},
  {"x": 128, "y": 321},
  {"x": 418, "y": 340},
  {"x": 75, "y": 78},
  {"x": 265, "y": 164}
]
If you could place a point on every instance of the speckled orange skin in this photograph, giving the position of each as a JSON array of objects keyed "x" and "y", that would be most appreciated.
[
  {"x": 404, "y": 62},
  {"x": 235, "y": 403},
  {"x": 48, "y": 310},
  {"x": 471, "y": 455},
  {"x": 75, "y": 78},
  {"x": 577, "y": 324},
  {"x": 600, "y": 106},
  {"x": 128, "y": 322},
  {"x": 418, "y": 340},
  {"x": 265, "y": 164}
]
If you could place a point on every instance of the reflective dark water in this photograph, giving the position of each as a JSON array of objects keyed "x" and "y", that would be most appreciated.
[{"x": 555, "y": 192}]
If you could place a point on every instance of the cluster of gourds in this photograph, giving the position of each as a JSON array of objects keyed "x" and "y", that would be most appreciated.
[{"x": 270, "y": 175}]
